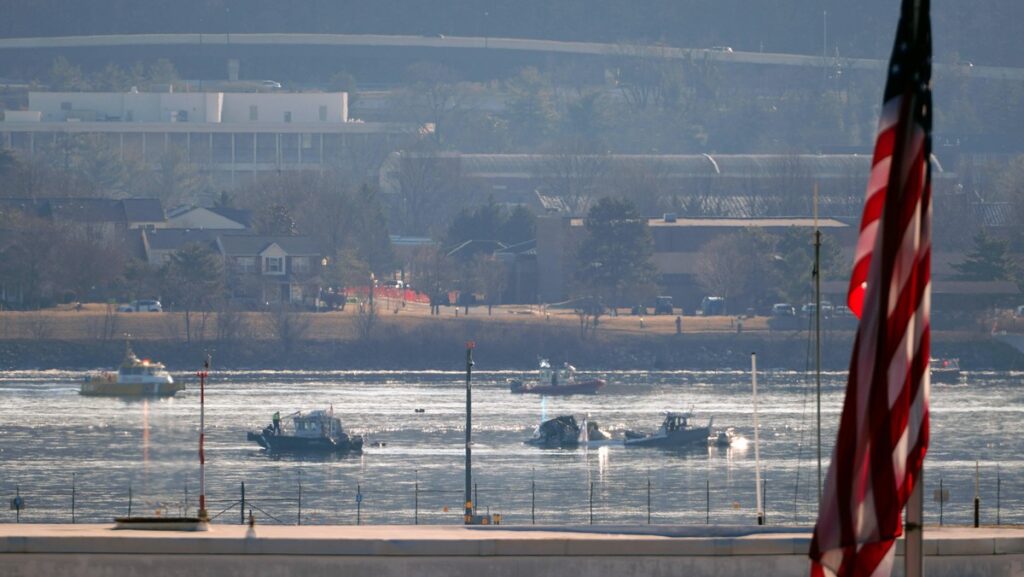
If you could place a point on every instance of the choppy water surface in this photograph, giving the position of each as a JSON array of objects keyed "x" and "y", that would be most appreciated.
[{"x": 54, "y": 439}]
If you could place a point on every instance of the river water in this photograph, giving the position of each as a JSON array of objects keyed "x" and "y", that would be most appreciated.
[{"x": 100, "y": 456}]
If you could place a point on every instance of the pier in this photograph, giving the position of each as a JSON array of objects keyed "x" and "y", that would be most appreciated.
[{"x": 455, "y": 551}]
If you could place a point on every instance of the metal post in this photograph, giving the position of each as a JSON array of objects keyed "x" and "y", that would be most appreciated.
[
  {"x": 757, "y": 442},
  {"x": 817, "y": 328},
  {"x": 913, "y": 558},
  {"x": 468, "y": 514},
  {"x": 17, "y": 507},
  {"x": 763, "y": 517},
  {"x": 202, "y": 438},
  {"x": 648, "y": 500},
  {"x": 184, "y": 512},
  {"x": 591, "y": 502},
  {"x": 359, "y": 504},
  {"x": 476, "y": 496},
  {"x": 533, "y": 501},
  {"x": 999, "y": 483},
  {"x": 241, "y": 510},
  {"x": 977, "y": 495},
  {"x": 942, "y": 501},
  {"x": 300, "y": 498},
  {"x": 129, "y": 500},
  {"x": 73, "y": 498},
  {"x": 707, "y": 501},
  {"x": 416, "y": 502}
]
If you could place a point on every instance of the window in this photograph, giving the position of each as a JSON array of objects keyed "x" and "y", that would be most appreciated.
[
  {"x": 300, "y": 264},
  {"x": 323, "y": 114},
  {"x": 65, "y": 106},
  {"x": 273, "y": 265},
  {"x": 287, "y": 116},
  {"x": 246, "y": 264},
  {"x": 254, "y": 112}
]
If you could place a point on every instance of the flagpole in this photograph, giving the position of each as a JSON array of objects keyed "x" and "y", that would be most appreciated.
[{"x": 913, "y": 524}]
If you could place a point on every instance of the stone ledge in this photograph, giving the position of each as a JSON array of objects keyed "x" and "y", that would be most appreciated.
[{"x": 459, "y": 541}]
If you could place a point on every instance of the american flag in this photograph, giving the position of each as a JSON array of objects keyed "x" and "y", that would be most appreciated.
[{"x": 883, "y": 431}]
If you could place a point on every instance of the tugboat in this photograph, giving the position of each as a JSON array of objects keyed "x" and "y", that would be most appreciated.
[
  {"x": 135, "y": 378},
  {"x": 559, "y": 382},
  {"x": 675, "y": 432},
  {"x": 317, "y": 431}
]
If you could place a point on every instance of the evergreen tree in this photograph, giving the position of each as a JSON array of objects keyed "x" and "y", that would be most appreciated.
[
  {"x": 988, "y": 260},
  {"x": 614, "y": 258},
  {"x": 193, "y": 280}
]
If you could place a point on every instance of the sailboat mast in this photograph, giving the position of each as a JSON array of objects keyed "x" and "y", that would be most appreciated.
[{"x": 817, "y": 325}]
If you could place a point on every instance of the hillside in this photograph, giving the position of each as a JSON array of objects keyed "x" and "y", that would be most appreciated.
[{"x": 982, "y": 31}]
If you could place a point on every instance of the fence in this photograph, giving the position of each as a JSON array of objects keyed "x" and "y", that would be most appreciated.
[{"x": 540, "y": 502}]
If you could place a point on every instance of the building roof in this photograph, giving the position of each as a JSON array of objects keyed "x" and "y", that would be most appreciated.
[
  {"x": 175, "y": 238},
  {"x": 128, "y": 210},
  {"x": 737, "y": 222},
  {"x": 239, "y": 215},
  {"x": 245, "y": 245},
  {"x": 143, "y": 210}
]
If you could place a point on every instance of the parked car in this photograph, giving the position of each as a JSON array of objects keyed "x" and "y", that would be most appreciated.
[
  {"x": 141, "y": 306},
  {"x": 712, "y": 306},
  {"x": 395, "y": 284},
  {"x": 783, "y": 310},
  {"x": 663, "y": 305},
  {"x": 270, "y": 84}
]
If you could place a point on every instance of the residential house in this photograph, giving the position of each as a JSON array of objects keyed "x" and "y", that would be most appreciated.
[{"x": 272, "y": 269}]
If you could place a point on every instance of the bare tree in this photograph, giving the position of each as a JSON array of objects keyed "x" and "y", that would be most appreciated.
[
  {"x": 493, "y": 278},
  {"x": 575, "y": 174},
  {"x": 430, "y": 190},
  {"x": 645, "y": 182},
  {"x": 288, "y": 325},
  {"x": 366, "y": 319}
]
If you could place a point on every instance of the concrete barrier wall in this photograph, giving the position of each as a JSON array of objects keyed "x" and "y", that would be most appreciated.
[{"x": 227, "y": 551}]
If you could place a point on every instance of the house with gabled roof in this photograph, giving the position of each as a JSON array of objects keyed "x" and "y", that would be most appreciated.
[
  {"x": 214, "y": 217},
  {"x": 271, "y": 269}
]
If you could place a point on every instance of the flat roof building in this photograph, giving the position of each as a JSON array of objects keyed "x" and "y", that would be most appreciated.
[{"x": 228, "y": 136}]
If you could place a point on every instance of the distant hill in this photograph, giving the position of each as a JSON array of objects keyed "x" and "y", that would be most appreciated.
[{"x": 979, "y": 31}]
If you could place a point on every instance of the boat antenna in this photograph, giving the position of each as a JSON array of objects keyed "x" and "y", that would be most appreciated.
[
  {"x": 757, "y": 441},
  {"x": 816, "y": 273},
  {"x": 468, "y": 516},
  {"x": 203, "y": 515}
]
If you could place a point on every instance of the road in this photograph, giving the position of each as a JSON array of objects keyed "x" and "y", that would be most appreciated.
[{"x": 486, "y": 43}]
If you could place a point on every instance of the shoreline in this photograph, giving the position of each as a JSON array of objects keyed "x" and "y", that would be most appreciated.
[{"x": 497, "y": 348}]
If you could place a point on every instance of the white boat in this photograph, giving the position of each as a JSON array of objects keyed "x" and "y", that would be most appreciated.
[
  {"x": 134, "y": 378},
  {"x": 944, "y": 369},
  {"x": 555, "y": 381},
  {"x": 676, "y": 431}
]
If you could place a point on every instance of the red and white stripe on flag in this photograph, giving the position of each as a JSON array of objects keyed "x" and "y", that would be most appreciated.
[{"x": 883, "y": 430}]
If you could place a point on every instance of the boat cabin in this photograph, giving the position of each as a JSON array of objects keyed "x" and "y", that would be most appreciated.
[
  {"x": 315, "y": 424},
  {"x": 556, "y": 376},
  {"x": 676, "y": 422}
]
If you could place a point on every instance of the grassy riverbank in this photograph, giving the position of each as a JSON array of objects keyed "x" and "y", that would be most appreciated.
[{"x": 509, "y": 338}]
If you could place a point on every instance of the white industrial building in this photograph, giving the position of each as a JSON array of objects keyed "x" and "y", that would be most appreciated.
[{"x": 227, "y": 135}]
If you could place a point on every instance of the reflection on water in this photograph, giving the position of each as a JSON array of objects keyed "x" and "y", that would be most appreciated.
[{"x": 51, "y": 434}]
